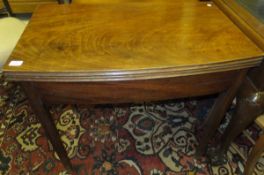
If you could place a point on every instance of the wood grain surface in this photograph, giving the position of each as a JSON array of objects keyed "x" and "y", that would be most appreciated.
[
  {"x": 129, "y": 41},
  {"x": 249, "y": 24},
  {"x": 252, "y": 27},
  {"x": 27, "y": 6}
]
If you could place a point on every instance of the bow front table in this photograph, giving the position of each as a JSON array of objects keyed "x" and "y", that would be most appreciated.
[{"x": 130, "y": 52}]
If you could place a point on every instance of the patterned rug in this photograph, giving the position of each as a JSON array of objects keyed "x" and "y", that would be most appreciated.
[{"x": 136, "y": 139}]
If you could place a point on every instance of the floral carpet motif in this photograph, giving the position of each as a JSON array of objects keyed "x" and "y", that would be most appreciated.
[{"x": 138, "y": 139}]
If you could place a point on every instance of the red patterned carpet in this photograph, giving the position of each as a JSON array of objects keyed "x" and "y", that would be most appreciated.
[{"x": 145, "y": 139}]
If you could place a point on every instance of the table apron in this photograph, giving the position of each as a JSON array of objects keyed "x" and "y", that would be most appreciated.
[{"x": 134, "y": 91}]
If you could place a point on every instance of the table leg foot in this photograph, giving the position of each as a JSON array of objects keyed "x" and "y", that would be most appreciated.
[{"x": 45, "y": 119}]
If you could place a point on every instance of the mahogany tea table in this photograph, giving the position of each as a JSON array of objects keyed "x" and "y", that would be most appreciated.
[{"x": 130, "y": 52}]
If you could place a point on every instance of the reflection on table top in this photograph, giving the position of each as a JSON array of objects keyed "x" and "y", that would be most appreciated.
[{"x": 130, "y": 41}]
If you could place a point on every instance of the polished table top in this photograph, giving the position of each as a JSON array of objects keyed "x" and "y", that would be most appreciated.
[{"x": 128, "y": 41}]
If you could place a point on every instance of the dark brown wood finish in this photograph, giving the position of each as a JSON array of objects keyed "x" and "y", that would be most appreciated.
[
  {"x": 136, "y": 91},
  {"x": 257, "y": 76},
  {"x": 250, "y": 104},
  {"x": 250, "y": 99},
  {"x": 112, "y": 59},
  {"x": 45, "y": 119},
  {"x": 225, "y": 83},
  {"x": 218, "y": 111}
]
